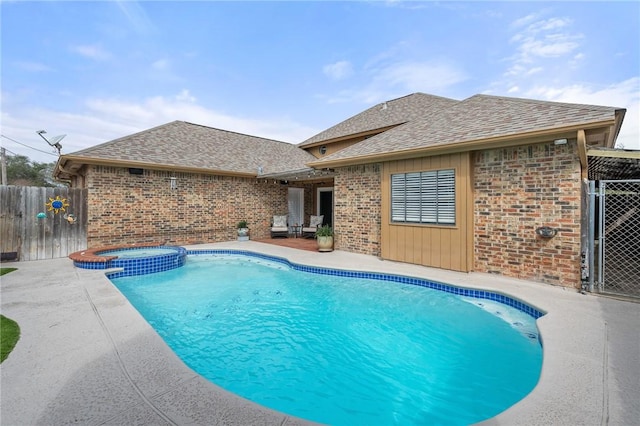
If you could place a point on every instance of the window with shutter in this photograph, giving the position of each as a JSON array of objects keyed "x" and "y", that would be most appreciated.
[{"x": 424, "y": 197}]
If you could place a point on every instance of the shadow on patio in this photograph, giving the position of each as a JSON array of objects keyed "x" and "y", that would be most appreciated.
[{"x": 308, "y": 244}]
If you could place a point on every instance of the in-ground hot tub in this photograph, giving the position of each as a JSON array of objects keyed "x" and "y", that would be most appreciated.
[{"x": 132, "y": 259}]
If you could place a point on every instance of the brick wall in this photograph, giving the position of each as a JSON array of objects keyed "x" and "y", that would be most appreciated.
[
  {"x": 125, "y": 208},
  {"x": 517, "y": 190},
  {"x": 357, "y": 214}
]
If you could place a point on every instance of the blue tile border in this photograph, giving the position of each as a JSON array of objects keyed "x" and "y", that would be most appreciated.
[
  {"x": 462, "y": 291},
  {"x": 164, "y": 262},
  {"x": 140, "y": 265}
]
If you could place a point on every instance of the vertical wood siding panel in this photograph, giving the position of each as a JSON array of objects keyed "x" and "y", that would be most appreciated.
[{"x": 440, "y": 247}]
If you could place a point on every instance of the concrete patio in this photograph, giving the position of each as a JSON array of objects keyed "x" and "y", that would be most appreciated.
[{"x": 85, "y": 355}]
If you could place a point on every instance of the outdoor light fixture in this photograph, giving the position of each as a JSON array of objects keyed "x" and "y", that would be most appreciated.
[
  {"x": 546, "y": 232},
  {"x": 54, "y": 141},
  {"x": 173, "y": 182},
  {"x": 560, "y": 142}
]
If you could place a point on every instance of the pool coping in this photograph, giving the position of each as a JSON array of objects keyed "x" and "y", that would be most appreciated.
[
  {"x": 91, "y": 358},
  {"x": 90, "y": 256}
]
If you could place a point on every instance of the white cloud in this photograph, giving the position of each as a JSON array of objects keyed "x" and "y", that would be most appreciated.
[
  {"x": 401, "y": 78},
  {"x": 541, "y": 39},
  {"x": 160, "y": 64},
  {"x": 339, "y": 70},
  {"x": 548, "y": 24},
  {"x": 420, "y": 76},
  {"x": 409, "y": 5},
  {"x": 524, "y": 21},
  {"x": 92, "y": 52},
  {"x": 550, "y": 46},
  {"x": 533, "y": 71},
  {"x": 185, "y": 96},
  {"x": 624, "y": 94},
  {"x": 103, "y": 120},
  {"x": 136, "y": 15},
  {"x": 32, "y": 66}
]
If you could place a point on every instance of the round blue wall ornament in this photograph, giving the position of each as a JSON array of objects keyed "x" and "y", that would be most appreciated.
[{"x": 57, "y": 204}]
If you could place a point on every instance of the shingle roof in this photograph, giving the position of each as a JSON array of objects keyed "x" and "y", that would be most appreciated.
[
  {"x": 394, "y": 112},
  {"x": 476, "y": 118},
  {"x": 187, "y": 145}
]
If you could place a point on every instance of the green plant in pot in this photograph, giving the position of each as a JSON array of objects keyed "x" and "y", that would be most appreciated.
[
  {"x": 324, "y": 236},
  {"x": 243, "y": 231}
]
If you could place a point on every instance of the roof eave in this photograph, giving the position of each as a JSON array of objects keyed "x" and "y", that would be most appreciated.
[
  {"x": 619, "y": 117},
  {"x": 537, "y": 136},
  {"x": 64, "y": 160}
]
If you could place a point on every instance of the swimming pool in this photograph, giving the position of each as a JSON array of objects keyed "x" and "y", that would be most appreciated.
[{"x": 343, "y": 350}]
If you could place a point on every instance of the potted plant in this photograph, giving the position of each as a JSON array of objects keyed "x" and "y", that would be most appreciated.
[
  {"x": 243, "y": 231},
  {"x": 324, "y": 235}
]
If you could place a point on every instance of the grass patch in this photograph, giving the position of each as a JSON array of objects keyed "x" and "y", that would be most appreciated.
[
  {"x": 9, "y": 335},
  {"x": 4, "y": 271}
]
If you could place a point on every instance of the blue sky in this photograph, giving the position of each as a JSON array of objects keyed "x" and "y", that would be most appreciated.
[{"x": 96, "y": 71}]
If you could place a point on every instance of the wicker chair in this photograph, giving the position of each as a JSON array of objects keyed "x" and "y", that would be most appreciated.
[
  {"x": 279, "y": 227},
  {"x": 314, "y": 223}
]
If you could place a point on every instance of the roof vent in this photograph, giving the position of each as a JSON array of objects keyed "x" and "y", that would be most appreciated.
[{"x": 384, "y": 106}]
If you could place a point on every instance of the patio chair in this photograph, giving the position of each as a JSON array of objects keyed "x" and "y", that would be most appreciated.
[
  {"x": 314, "y": 223},
  {"x": 279, "y": 227}
]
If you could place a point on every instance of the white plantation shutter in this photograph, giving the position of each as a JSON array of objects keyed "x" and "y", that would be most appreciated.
[
  {"x": 424, "y": 197},
  {"x": 412, "y": 197},
  {"x": 446, "y": 197},
  {"x": 397, "y": 198}
]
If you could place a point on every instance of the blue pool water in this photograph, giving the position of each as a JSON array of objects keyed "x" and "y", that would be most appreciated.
[{"x": 337, "y": 350}]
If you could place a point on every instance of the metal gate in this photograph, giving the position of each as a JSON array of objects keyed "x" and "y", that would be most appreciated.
[{"x": 614, "y": 229}]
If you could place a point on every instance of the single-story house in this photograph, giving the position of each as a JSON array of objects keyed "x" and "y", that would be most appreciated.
[{"x": 488, "y": 184}]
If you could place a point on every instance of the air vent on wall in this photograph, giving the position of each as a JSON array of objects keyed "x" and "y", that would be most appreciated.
[{"x": 136, "y": 171}]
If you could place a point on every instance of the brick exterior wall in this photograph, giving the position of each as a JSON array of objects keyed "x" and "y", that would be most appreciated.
[
  {"x": 357, "y": 214},
  {"x": 517, "y": 190},
  {"x": 125, "y": 208}
]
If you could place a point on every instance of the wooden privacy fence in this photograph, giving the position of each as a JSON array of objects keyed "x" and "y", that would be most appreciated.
[{"x": 42, "y": 223}]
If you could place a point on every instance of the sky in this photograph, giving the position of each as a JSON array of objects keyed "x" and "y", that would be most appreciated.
[{"x": 99, "y": 70}]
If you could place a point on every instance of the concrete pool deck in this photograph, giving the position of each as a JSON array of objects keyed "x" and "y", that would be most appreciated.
[{"x": 85, "y": 355}]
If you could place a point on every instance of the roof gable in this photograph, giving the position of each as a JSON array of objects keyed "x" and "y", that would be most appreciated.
[{"x": 384, "y": 115}]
